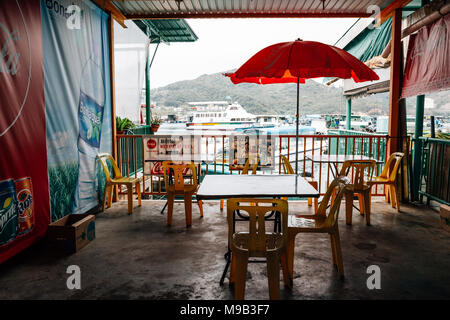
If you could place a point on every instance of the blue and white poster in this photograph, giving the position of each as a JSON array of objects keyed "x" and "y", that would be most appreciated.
[{"x": 77, "y": 102}]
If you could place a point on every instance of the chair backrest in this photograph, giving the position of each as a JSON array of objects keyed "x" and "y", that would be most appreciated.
[
  {"x": 358, "y": 168},
  {"x": 103, "y": 157},
  {"x": 397, "y": 156},
  {"x": 178, "y": 177},
  {"x": 246, "y": 168},
  {"x": 339, "y": 184},
  {"x": 287, "y": 168},
  {"x": 257, "y": 242}
]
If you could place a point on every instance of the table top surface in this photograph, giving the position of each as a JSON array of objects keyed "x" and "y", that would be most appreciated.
[
  {"x": 242, "y": 186},
  {"x": 330, "y": 158}
]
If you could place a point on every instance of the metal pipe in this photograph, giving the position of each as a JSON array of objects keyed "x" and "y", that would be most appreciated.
[{"x": 445, "y": 9}]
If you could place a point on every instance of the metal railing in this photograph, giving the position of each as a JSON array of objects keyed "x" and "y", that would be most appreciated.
[
  {"x": 435, "y": 170},
  {"x": 130, "y": 157}
]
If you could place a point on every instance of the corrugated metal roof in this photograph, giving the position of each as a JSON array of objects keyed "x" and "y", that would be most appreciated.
[
  {"x": 245, "y": 8},
  {"x": 172, "y": 30}
]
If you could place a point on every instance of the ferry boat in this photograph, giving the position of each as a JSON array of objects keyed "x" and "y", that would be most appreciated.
[{"x": 219, "y": 115}]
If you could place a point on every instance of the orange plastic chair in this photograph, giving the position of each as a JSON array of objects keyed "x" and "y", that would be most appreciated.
[
  {"x": 245, "y": 170},
  {"x": 287, "y": 169},
  {"x": 178, "y": 186},
  {"x": 319, "y": 223},
  {"x": 358, "y": 186},
  {"x": 390, "y": 178},
  {"x": 118, "y": 180},
  {"x": 255, "y": 241}
]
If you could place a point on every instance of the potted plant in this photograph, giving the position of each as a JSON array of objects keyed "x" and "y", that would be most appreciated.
[
  {"x": 156, "y": 121},
  {"x": 124, "y": 124}
]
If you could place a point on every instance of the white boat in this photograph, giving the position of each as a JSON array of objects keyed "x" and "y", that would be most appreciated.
[{"x": 219, "y": 115}]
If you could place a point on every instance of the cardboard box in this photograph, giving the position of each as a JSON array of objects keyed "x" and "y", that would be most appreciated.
[
  {"x": 445, "y": 217},
  {"x": 72, "y": 232}
]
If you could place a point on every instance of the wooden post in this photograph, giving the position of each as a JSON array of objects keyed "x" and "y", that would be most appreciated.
[
  {"x": 113, "y": 94},
  {"x": 394, "y": 90}
]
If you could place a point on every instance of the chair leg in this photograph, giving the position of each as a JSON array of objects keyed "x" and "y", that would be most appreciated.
[
  {"x": 290, "y": 255},
  {"x": 221, "y": 204},
  {"x": 104, "y": 197},
  {"x": 361, "y": 204},
  {"x": 386, "y": 193},
  {"x": 397, "y": 202},
  {"x": 333, "y": 249},
  {"x": 367, "y": 206},
  {"x": 170, "y": 201},
  {"x": 273, "y": 275},
  {"x": 240, "y": 275},
  {"x": 130, "y": 198},
  {"x": 110, "y": 193},
  {"x": 337, "y": 245},
  {"x": 348, "y": 207},
  {"x": 138, "y": 190},
  {"x": 200, "y": 206},
  {"x": 392, "y": 195},
  {"x": 188, "y": 208},
  {"x": 284, "y": 267},
  {"x": 232, "y": 269},
  {"x": 316, "y": 205}
]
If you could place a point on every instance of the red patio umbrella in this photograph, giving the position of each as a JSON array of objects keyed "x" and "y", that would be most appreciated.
[{"x": 295, "y": 61}]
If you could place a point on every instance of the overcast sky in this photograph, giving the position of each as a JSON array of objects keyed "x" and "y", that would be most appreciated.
[{"x": 226, "y": 44}]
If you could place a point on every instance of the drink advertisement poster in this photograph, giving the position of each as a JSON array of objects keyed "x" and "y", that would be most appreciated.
[
  {"x": 167, "y": 147},
  {"x": 77, "y": 104},
  {"x": 24, "y": 194},
  {"x": 244, "y": 147}
]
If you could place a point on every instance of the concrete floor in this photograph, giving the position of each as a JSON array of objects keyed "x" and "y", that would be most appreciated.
[{"x": 139, "y": 257}]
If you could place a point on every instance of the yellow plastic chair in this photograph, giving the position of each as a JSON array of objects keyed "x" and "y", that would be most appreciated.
[
  {"x": 245, "y": 170},
  {"x": 358, "y": 186},
  {"x": 390, "y": 178},
  {"x": 178, "y": 186},
  {"x": 319, "y": 223},
  {"x": 118, "y": 180},
  {"x": 287, "y": 169},
  {"x": 255, "y": 241}
]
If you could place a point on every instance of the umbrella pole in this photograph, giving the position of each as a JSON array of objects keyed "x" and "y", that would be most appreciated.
[{"x": 296, "y": 129}]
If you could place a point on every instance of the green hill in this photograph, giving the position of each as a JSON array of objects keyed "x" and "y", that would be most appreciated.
[{"x": 271, "y": 99}]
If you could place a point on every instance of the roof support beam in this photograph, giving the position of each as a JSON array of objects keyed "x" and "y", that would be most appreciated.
[
  {"x": 387, "y": 12},
  {"x": 106, "y": 5},
  {"x": 193, "y": 15}
]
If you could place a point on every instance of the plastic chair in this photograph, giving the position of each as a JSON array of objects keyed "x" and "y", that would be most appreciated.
[
  {"x": 390, "y": 179},
  {"x": 287, "y": 169},
  {"x": 118, "y": 180},
  {"x": 257, "y": 242},
  {"x": 358, "y": 186},
  {"x": 319, "y": 223},
  {"x": 245, "y": 170},
  {"x": 177, "y": 186}
]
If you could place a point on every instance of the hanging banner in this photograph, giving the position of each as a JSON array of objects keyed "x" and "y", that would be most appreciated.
[
  {"x": 428, "y": 64},
  {"x": 77, "y": 102},
  {"x": 24, "y": 196}
]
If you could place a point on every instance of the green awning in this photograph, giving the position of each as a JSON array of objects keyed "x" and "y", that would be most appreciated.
[
  {"x": 370, "y": 42},
  {"x": 167, "y": 30}
]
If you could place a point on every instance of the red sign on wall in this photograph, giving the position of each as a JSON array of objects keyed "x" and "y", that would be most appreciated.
[{"x": 24, "y": 197}]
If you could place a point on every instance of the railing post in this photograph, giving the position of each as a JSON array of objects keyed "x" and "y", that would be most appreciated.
[{"x": 417, "y": 152}]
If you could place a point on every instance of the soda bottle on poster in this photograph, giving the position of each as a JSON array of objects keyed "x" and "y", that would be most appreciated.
[
  {"x": 90, "y": 119},
  {"x": 9, "y": 222}
]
